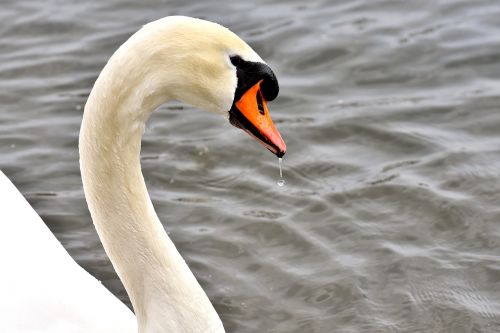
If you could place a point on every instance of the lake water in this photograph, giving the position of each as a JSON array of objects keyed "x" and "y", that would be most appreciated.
[{"x": 390, "y": 217}]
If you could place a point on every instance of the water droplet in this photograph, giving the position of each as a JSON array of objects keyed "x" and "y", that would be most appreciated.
[{"x": 281, "y": 181}]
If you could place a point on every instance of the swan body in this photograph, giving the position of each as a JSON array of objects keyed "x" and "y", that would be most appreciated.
[{"x": 194, "y": 61}]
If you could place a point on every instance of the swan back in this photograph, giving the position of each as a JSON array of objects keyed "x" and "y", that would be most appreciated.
[{"x": 42, "y": 288}]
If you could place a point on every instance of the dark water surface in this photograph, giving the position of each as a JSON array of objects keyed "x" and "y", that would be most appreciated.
[{"x": 390, "y": 219}]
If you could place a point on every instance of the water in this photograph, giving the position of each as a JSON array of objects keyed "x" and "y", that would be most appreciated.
[{"x": 390, "y": 112}]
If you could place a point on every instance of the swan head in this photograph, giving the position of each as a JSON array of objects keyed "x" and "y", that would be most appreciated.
[{"x": 206, "y": 65}]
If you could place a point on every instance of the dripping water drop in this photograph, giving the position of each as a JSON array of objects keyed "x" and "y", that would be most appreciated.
[{"x": 281, "y": 181}]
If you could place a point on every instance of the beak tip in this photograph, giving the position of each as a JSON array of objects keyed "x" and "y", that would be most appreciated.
[{"x": 280, "y": 149}]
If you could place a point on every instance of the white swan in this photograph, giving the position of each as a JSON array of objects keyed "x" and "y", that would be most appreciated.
[{"x": 41, "y": 288}]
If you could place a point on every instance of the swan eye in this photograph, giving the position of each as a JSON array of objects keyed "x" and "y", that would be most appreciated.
[
  {"x": 235, "y": 60},
  {"x": 259, "y": 103}
]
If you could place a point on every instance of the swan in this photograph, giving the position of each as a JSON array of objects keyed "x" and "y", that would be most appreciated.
[{"x": 42, "y": 289}]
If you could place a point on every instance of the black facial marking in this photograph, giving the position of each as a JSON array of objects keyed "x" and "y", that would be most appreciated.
[{"x": 249, "y": 73}]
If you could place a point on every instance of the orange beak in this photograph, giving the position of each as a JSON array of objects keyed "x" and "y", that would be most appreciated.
[{"x": 250, "y": 114}]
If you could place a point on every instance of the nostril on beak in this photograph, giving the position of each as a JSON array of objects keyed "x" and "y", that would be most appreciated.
[{"x": 260, "y": 104}]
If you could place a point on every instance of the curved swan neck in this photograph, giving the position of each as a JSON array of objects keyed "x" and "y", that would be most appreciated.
[{"x": 164, "y": 293}]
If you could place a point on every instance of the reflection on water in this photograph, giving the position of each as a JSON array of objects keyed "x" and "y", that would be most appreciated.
[{"x": 389, "y": 220}]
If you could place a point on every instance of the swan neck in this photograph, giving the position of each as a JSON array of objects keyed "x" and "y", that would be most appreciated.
[{"x": 164, "y": 293}]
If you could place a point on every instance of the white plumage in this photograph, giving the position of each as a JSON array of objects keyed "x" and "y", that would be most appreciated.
[{"x": 42, "y": 289}]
